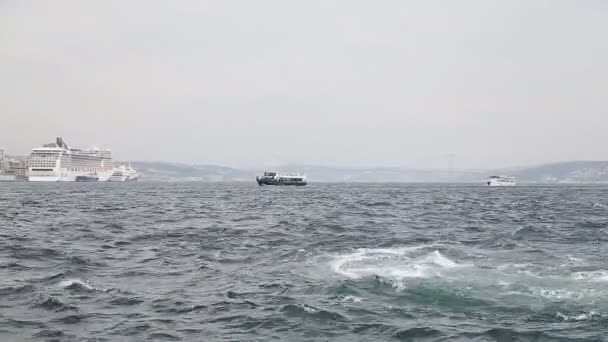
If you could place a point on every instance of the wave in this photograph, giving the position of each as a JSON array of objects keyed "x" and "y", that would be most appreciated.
[
  {"x": 530, "y": 233},
  {"x": 11, "y": 290},
  {"x": 417, "y": 333},
  {"x": 76, "y": 285},
  {"x": 71, "y": 319},
  {"x": 48, "y": 333},
  {"x": 163, "y": 336},
  {"x": 304, "y": 311},
  {"x": 14, "y": 266},
  {"x": 54, "y": 304},
  {"x": 124, "y": 301}
]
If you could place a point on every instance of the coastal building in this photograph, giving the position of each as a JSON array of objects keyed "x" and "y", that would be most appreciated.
[
  {"x": 18, "y": 168},
  {"x": 3, "y": 161},
  {"x": 11, "y": 169}
]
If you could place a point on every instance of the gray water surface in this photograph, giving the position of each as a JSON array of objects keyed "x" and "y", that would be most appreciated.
[{"x": 327, "y": 262}]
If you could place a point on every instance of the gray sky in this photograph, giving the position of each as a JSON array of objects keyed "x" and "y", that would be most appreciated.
[{"x": 249, "y": 83}]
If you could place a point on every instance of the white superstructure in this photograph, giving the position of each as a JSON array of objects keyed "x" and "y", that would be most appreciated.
[
  {"x": 501, "y": 181},
  {"x": 281, "y": 178},
  {"x": 124, "y": 173},
  {"x": 57, "y": 162}
]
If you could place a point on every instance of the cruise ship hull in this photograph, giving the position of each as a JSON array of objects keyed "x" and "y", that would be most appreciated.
[
  {"x": 101, "y": 176},
  {"x": 45, "y": 179}
]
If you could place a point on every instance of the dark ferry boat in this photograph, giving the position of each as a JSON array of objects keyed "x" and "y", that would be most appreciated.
[{"x": 275, "y": 178}]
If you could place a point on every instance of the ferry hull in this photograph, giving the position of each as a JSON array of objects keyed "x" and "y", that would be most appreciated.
[
  {"x": 123, "y": 178},
  {"x": 501, "y": 181},
  {"x": 104, "y": 176},
  {"x": 490, "y": 183},
  {"x": 262, "y": 182},
  {"x": 117, "y": 179}
]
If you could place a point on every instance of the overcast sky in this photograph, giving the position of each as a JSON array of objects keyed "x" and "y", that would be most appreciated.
[{"x": 354, "y": 83}]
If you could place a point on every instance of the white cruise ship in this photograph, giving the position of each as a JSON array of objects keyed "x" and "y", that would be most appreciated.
[
  {"x": 124, "y": 173},
  {"x": 57, "y": 162},
  {"x": 501, "y": 181}
]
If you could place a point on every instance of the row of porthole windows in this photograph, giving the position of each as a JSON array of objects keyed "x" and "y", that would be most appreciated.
[
  {"x": 84, "y": 169},
  {"x": 42, "y": 164}
]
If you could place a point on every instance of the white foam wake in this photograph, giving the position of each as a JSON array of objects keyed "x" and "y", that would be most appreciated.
[
  {"x": 594, "y": 276},
  {"x": 580, "y": 317},
  {"x": 394, "y": 264},
  {"x": 523, "y": 283},
  {"x": 70, "y": 282}
]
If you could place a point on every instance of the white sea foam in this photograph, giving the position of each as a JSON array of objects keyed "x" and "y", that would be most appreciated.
[
  {"x": 308, "y": 309},
  {"x": 392, "y": 263},
  {"x": 518, "y": 282},
  {"x": 573, "y": 259},
  {"x": 594, "y": 276},
  {"x": 559, "y": 294},
  {"x": 69, "y": 282},
  {"x": 352, "y": 299},
  {"x": 579, "y": 317}
]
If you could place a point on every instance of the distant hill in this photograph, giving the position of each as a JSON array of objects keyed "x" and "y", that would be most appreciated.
[
  {"x": 574, "y": 172},
  {"x": 568, "y": 172},
  {"x": 386, "y": 174},
  {"x": 161, "y": 171}
]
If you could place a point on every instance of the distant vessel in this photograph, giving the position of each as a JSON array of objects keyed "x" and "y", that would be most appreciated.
[
  {"x": 275, "y": 178},
  {"x": 501, "y": 181},
  {"x": 57, "y": 162},
  {"x": 124, "y": 173}
]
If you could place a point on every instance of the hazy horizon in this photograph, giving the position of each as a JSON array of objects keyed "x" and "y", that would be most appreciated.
[{"x": 341, "y": 83}]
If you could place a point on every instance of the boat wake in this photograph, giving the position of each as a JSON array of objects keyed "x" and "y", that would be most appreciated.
[
  {"x": 427, "y": 274},
  {"x": 397, "y": 264}
]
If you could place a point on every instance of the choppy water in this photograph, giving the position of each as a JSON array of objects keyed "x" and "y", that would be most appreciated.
[{"x": 339, "y": 262}]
